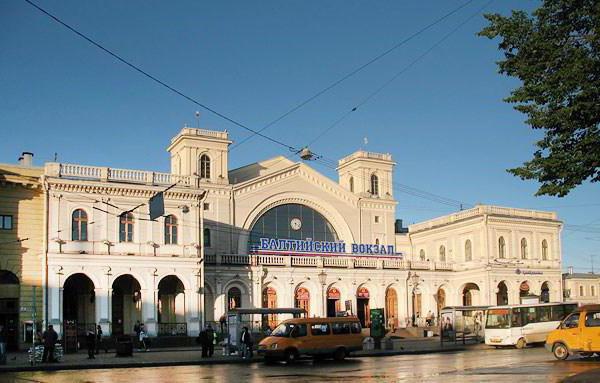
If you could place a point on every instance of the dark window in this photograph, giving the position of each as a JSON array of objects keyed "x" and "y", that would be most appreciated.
[
  {"x": 516, "y": 320},
  {"x": 79, "y": 222},
  {"x": 206, "y": 237},
  {"x": 276, "y": 223},
  {"x": 6, "y": 222},
  {"x": 234, "y": 298},
  {"x": 206, "y": 206},
  {"x": 592, "y": 319},
  {"x": 376, "y": 219},
  {"x": 571, "y": 322},
  {"x": 374, "y": 185},
  {"x": 170, "y": 230},
  {"x": 319, "y": 329},
  {"x": 126, "y": 227},
  {"x": 299, "y": 331},
  {"x": 355, "y": 328},
  {"x": 340, "y": 328},
  {"x": 544, "y": 314},
  {"x": 352, "y": 184}
]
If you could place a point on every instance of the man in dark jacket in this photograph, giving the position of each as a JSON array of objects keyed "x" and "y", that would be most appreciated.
[
  {"x": 204, "y": 343},
  {"x": 210, "y": 340},
  {"x": 91, "y": 344},
  {"x": 50, "y": 337}
]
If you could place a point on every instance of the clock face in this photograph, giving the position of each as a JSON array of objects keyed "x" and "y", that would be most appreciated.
[{"x": 295, "y": 223}]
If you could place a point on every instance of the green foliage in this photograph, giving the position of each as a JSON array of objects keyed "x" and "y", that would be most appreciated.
[{"x": 555, "y": 52}]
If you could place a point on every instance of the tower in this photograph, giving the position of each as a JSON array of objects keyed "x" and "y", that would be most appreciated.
[
  {"x": 200, "y": 152},
  {"x": 367, "y": 174}
]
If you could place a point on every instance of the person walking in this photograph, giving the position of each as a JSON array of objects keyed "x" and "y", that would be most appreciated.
[
  {"x": 91, "y": 344},
  {"x": 429, "y": 318},
  {"x": 100, "y": 341},
  {"x": 143, "y": 339},
  {"x": 50, "y": 337},
  {"x": 211, "y": 340},
  {"x": 392, "y": 324},
  {"x": 246, "y": 343},
  {"x": 137, "y": 327},
  {"x": 204, "y": 343}
]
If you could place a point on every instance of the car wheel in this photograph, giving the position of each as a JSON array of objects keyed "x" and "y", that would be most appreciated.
[
  {"x": 339, "y": 354},
  {"x": 521, "y": 343},
  {"x": 560, "y": 351},
  {"x": 291, "y": 356}
]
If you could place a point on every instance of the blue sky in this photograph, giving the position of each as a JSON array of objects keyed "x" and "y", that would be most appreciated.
[{"x": 443, "y": 120}]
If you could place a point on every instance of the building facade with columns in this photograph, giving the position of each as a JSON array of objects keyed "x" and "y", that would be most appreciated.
[{"x": 275, "y": 233}]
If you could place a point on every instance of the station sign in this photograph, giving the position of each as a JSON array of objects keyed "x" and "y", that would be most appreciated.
[{"x": 324, "y": 247}]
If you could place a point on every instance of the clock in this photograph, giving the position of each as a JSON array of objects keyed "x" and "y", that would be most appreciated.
[{"x": 296, "y": 224}]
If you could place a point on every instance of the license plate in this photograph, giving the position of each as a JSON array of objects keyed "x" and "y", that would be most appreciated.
[{"x": 496, "y": 340}]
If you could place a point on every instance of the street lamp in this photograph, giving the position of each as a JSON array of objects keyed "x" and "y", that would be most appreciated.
[
  {"x": 414, "y": 279},
  {"x": 323, "y": 280}
]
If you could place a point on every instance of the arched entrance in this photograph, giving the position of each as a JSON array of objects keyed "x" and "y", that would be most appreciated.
[
  {"x": 302, "y": 299},
  {"x": 171, "y": 307},
  {"x": 334, "y": 305},
  {"x": 362, "y": 306},
  {"x": 234, "y": 298},
  {"x": 524, "y": 289},
  {"x": 391, "y": 307},
  {"x": 545, "y": 293},
  {"x": 502, "y": 294},
  {"x": 126, "y": 304},
  {"x": 470, "y": 294},
  {"x": 9, "y": 308},
  {"x": 269, "y": 300},
  {"x": 79, "y": 310},
  {"x": 441, "y": 300}
]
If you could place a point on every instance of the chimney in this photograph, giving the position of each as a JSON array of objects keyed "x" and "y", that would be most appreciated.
[
  {"x": 26, "y": 159},
  {"x": 570, "y": 270}
]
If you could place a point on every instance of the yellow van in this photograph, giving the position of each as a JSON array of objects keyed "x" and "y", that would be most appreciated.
[
  {"x": 315, "y": 337},
  {"x": 578, "y": 333}
]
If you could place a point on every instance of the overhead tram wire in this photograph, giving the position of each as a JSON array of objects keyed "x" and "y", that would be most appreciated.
[
  {"x": 157, "y": 80},
  {"x": 398, "y": 74},
  {"x": 354, "y": 71}
]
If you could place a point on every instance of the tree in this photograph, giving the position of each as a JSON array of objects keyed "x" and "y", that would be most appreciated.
[{"x": 555, "y": 53}]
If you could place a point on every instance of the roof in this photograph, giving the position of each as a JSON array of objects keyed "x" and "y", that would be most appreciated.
[
  {"x": 291, "y": 310},
  {"x": 321, "y": 320},
  {"x": 581, "y": 276},
  {"x": 588, "y": 308}
]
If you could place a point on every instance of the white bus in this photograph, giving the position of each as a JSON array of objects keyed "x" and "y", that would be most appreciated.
[{"x": 519, "y": 325}]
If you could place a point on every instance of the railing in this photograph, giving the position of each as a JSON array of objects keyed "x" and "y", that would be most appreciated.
[
  {"x": 235, "y": 259},
  {"x": 201, "y": 132},
  {"x": 335, "y": 262},
  {"x": 394, "y": 264},
  {"x": 172, "y": 329},
  {"x": 211, "y": 259},
  {"x": 271, "y": 260},
  {"x": 443, "y": 266},
  {"x": 420, "y": 265},
  {"x": 80, "y": 171},
  {"x": 127, "y": 175},
  {"x": 305, "y": 261},
  {"x": 365, "y": 154},
  {"x": 365, "y": 263}
]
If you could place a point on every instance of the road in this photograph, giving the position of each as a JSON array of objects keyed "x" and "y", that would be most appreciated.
[{"x": 481, "y": 365}]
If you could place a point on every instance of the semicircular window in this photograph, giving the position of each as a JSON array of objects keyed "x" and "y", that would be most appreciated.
[{"x": 292, "y": 221}]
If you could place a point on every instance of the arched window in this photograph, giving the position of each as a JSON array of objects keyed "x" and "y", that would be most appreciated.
[
  {"x": 234, "y": 298},
  {"x": 79, "y": 222},
  {"x": 206, "y": 237},
  {"x": 422, "y": 255},
  {"x": 170, "y": 230},
  {"x": 501, "y": 248},
  {"x": 126, "y": 227},
  {"x": 442, "y": 253},
  {"x": 374, "y": 185},
  {"x": 580, "y": 291},
  {"x": 377, "y": 241},
  {"x": 351, "y": 182},
  {"x": 544, "y": 250},
  {"x": 593, "y": 290},
  {"x": 204, "y": 166},
  {"x": 468, "y": 251},
  {"x": 523, "y": 248}
]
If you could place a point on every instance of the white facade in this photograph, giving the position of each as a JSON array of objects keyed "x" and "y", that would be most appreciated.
[
  {"x": 583, "y": 288},
  {"x": 360, "y": 208}
]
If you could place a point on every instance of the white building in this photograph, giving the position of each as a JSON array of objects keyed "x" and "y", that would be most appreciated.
[
  {"x": 108, "y": 264},
  {"x": 583, "y": 288}
]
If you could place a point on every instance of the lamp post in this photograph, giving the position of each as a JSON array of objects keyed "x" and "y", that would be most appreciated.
[
  {"x": 414, "y": 279},
  {"x": 323, "y": 280}
]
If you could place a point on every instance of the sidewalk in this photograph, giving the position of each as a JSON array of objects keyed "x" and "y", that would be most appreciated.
[{"x": 192, "y": 356}]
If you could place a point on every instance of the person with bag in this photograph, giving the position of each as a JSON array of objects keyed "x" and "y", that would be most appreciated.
[{"x": 50, "y": 338}]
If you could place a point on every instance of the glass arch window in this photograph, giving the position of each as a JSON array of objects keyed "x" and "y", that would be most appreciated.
[
  {"x": 501, "y": 248},
  {"x": 374, "y": 185},
  {"x": 442, "y": 253},
  {"x": 292, "y": 221},
  {"x": 544, "y": 250},
  {"x": 351, "y": 182},
  {"x": 170, "y": 230},
  {"x": 422, "y": 255},
  {"x": 468, "y": 251},
  {"x": 79, "y": 222},
  {"x": 206, "y": 237},
  {"x": 204, "y": 166},
  {"x": 523, "y": 248}
]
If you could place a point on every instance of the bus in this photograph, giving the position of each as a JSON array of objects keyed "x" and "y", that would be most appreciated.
[{"x": 520, "y": 325}]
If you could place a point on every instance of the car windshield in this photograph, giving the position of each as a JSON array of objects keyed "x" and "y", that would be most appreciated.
[
  {"x": 498, "y": 318},
  {"x": 283, "y": 330}
]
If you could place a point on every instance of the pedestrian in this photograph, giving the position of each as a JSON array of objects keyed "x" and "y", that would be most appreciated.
[
  {"x": 100, "y": 341},
  {"x": 246, "y": 343},
  {"x": 418, "y": 319},
  {"x": 50, "y": 337},
  {"x": 210, "y": 340},
  {"x": 392, "y": 324},
  {"x": 222, "y": 322},
  {"x": 91, "y": 344},
  {"x": 429, "y": 318},
  {"x": 136, "y": 329},
  {"x": 143, "y": 338},
  {"x": 204, "y": 343}
]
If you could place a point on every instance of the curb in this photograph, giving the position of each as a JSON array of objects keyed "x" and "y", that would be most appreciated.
[{"x": 234, "y": 360}]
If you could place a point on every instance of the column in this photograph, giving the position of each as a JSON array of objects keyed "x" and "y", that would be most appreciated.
[
  {"x": 55, "y": 293},
  {"x": 192, "y": 317}
]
